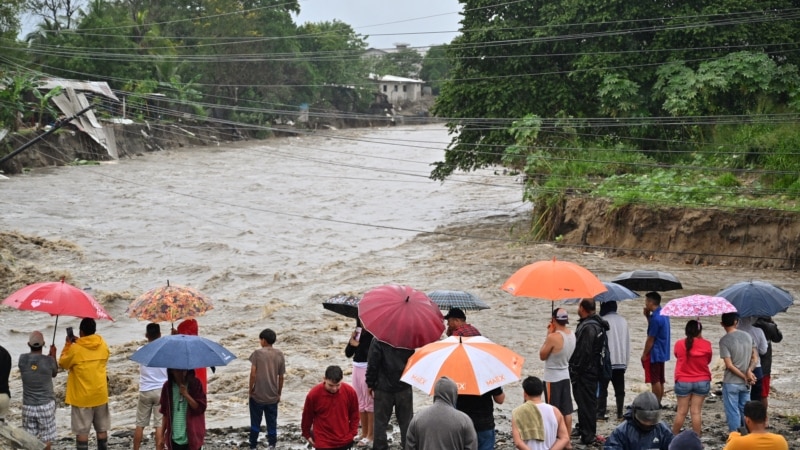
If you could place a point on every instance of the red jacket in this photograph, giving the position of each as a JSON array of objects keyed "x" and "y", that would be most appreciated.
[
  {"x": 195, "y": 418},
  {"x": 331, "y": 419}
]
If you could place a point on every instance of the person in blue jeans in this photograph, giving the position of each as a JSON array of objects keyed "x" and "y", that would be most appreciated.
[
  {"x": 480, "y": 409},
  {"x": 738, "y": 351},
  {"x": 267, "y": 369}
]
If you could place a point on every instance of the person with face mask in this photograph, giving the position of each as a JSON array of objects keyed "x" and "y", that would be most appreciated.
[{"x": 642, "y": 428}]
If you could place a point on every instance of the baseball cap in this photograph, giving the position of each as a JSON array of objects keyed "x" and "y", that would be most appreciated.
[
  {"x": 456, "y": 313},
  {"x": 36, "y": 340},
  {"x": 561, "y": 315}
]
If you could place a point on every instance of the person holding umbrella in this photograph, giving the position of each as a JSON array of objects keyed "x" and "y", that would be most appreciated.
[
  {"x": 85, "y": 358},
  {"x": 151, "y": 379},
  {"x": 183, "y": 408},
  {"x": 555, "y": 352},
  {"x": 773, "y": 334},
  {"x": 358, "y": 349}
]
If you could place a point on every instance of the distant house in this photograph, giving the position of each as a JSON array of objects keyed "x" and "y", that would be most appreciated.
[{"x": 399, "y": 89}]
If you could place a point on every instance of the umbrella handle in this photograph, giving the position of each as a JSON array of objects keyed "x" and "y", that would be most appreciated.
[{"x": 55, "y": 329}]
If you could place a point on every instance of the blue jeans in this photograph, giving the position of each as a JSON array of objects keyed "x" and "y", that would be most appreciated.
[
  {"x": 486, "y": 439},
  {"x": 270, "y": 412},
  {"x": 734, "y": 396}
]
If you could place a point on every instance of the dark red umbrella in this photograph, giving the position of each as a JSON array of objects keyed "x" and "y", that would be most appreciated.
[
  {"x": 57, "y": 298},
  {"x": 401, "y": 316}
]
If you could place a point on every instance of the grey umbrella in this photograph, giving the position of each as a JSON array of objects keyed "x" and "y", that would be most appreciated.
[{"x": 757, "y": 298}]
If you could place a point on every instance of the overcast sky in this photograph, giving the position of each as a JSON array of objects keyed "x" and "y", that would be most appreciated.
[{"x": 386, "y": 22}]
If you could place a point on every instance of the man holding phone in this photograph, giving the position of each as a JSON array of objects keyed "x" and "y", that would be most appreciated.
[{"x": 86, "y": 358}]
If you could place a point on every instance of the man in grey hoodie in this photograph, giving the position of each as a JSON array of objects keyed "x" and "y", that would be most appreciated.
[{"x": 441, "y": 426}]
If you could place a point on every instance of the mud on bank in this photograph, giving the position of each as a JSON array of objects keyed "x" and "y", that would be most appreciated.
[{"x": 753, "y": 237}]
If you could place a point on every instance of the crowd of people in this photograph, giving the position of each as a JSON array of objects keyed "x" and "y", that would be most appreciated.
[{"x": 578, "y": 365}]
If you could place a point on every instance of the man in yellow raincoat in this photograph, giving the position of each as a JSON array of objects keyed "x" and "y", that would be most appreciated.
[{"x": 87, "y": 385}]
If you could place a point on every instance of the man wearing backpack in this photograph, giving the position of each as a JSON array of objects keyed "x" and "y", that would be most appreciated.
[{"x": 585, "y": 368}]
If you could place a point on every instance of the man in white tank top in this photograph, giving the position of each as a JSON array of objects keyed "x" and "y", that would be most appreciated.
[
  {"x": 536, "y": 425},
  {"x": 555, "y": 352}
]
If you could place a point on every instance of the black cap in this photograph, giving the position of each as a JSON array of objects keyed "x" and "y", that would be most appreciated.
[{"x": 456, "y": 313}]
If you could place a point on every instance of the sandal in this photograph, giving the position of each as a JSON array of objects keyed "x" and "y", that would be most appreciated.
[{"x": 364, "y": 443}]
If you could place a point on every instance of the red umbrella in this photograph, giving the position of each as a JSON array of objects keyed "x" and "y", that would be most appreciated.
[
  {"x": 57, "y": 298},
  {"x": 401, "y": 316}
]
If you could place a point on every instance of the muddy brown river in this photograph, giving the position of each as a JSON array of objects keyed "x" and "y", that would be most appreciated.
[{"x": 269, "y": 229}]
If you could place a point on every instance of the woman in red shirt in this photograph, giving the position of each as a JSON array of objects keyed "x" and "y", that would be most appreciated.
[{"x": 692, "y": 376}]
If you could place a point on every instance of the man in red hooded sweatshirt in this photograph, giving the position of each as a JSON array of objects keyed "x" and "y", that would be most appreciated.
[{"x": 189, "y": 327}]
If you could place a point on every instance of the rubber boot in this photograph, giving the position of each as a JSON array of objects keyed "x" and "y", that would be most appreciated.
[
  {"x": 102, "y": 444},
  {"x": 602, "y": 407},
  {"x": 620, "y": 407}
]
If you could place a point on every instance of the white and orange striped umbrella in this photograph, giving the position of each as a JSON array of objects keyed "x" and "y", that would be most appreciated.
[{"x": 476, "y": 364}]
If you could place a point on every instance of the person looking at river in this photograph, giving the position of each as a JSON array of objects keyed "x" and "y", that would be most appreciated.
[{"x": 692, "y": 376}]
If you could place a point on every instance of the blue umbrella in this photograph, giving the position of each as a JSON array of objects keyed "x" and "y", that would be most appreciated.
[
  {"x": 757, "y": 298},
  {"x": 182, "y": 351},
  {"x": 615, "y": 293}
]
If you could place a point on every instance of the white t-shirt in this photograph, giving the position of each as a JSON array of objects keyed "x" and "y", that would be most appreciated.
[{"x": 151, "y": 378}]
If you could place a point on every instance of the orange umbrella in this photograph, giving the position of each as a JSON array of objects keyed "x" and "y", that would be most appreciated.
[
  {"x": 554, "y": 280},
  {"x": 476, "y": 364}
]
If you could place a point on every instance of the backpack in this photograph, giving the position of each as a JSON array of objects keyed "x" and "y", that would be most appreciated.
[{"x": 605, "y": 360}]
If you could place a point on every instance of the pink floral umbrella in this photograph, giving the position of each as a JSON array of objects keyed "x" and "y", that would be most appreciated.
[{"x": 697, "y": 306}]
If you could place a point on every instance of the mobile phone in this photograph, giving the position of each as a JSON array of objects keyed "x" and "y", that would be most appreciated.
[
  {"x": 70, "y": 334},
  {"x": 358, "y": 333}
]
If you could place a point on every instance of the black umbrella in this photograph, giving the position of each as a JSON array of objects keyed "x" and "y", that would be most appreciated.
[
  {"x": 344, "y": 304},
  {"x": 757, "y": 298},
  {"x": 648, "y": 280}
]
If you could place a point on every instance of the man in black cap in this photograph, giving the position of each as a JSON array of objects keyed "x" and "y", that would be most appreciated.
[{"x": 457, "y": 324}]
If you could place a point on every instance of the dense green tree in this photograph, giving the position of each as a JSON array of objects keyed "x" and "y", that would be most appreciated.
[
  {"x": 405, "y": 62},
  {"x": 584, "y": 62},
  {"x": 9, "y": 18},
  {"x": 436, "y": 66},
  {"x": 332, "y": 52}
]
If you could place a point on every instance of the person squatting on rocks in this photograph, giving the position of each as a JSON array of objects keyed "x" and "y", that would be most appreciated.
[
  {"x": 556, "y": 352},
  {"x": 642, "y": 428},
  {"x": 85, "y": 358},
  {"x": 584, "y": 368},
  {"x": 536, "y": 425},
  {"x": 358, "y": 349},
  {"x": 692, "y": 376},
  {"x": 619, "y": 347},
  {"x": 753, "y": 435},
  {"x": 330, "y": 413},
  {"x": 183, "y": 408},
  {"x": 657, "y": 345},
  {"x": 385, "y": 365},
  {"x": 38, "y": 399},
  {"x": 440, "y": 425},
  {"x": 267, "y": 369},
  {"x": 151, "y": 380}
]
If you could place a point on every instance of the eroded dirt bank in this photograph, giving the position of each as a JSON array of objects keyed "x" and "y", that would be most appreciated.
[{"x": 755, "y": 237}]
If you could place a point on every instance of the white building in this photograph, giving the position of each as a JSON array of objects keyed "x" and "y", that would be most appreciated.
[{"x": 399, "y": 89}]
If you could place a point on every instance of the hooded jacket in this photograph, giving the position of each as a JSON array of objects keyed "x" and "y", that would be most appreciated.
[
  {"x": 195, "y": 418},
  {"x": 586, "y": 361},
  {"x": 628, "y": 436},
  {"x": 441, "y": 426},
  {"x": 385, "y": 365},
  {"x": 86, "y": 359}
]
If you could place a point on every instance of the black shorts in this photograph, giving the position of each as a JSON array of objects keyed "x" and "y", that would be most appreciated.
[{"x": 559, "y": 394}]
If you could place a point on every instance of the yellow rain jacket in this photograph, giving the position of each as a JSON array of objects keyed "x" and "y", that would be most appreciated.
[{"x": 86, "y": 359}]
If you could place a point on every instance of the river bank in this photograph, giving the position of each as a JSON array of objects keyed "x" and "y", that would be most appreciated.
[{"x": 270, "y": 230}]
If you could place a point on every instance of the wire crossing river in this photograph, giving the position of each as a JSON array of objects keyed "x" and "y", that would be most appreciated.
[{"x": 270, "y": 229}]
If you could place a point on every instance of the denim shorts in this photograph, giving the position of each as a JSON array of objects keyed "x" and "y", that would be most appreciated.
[{"x": 701, "y": 388}]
